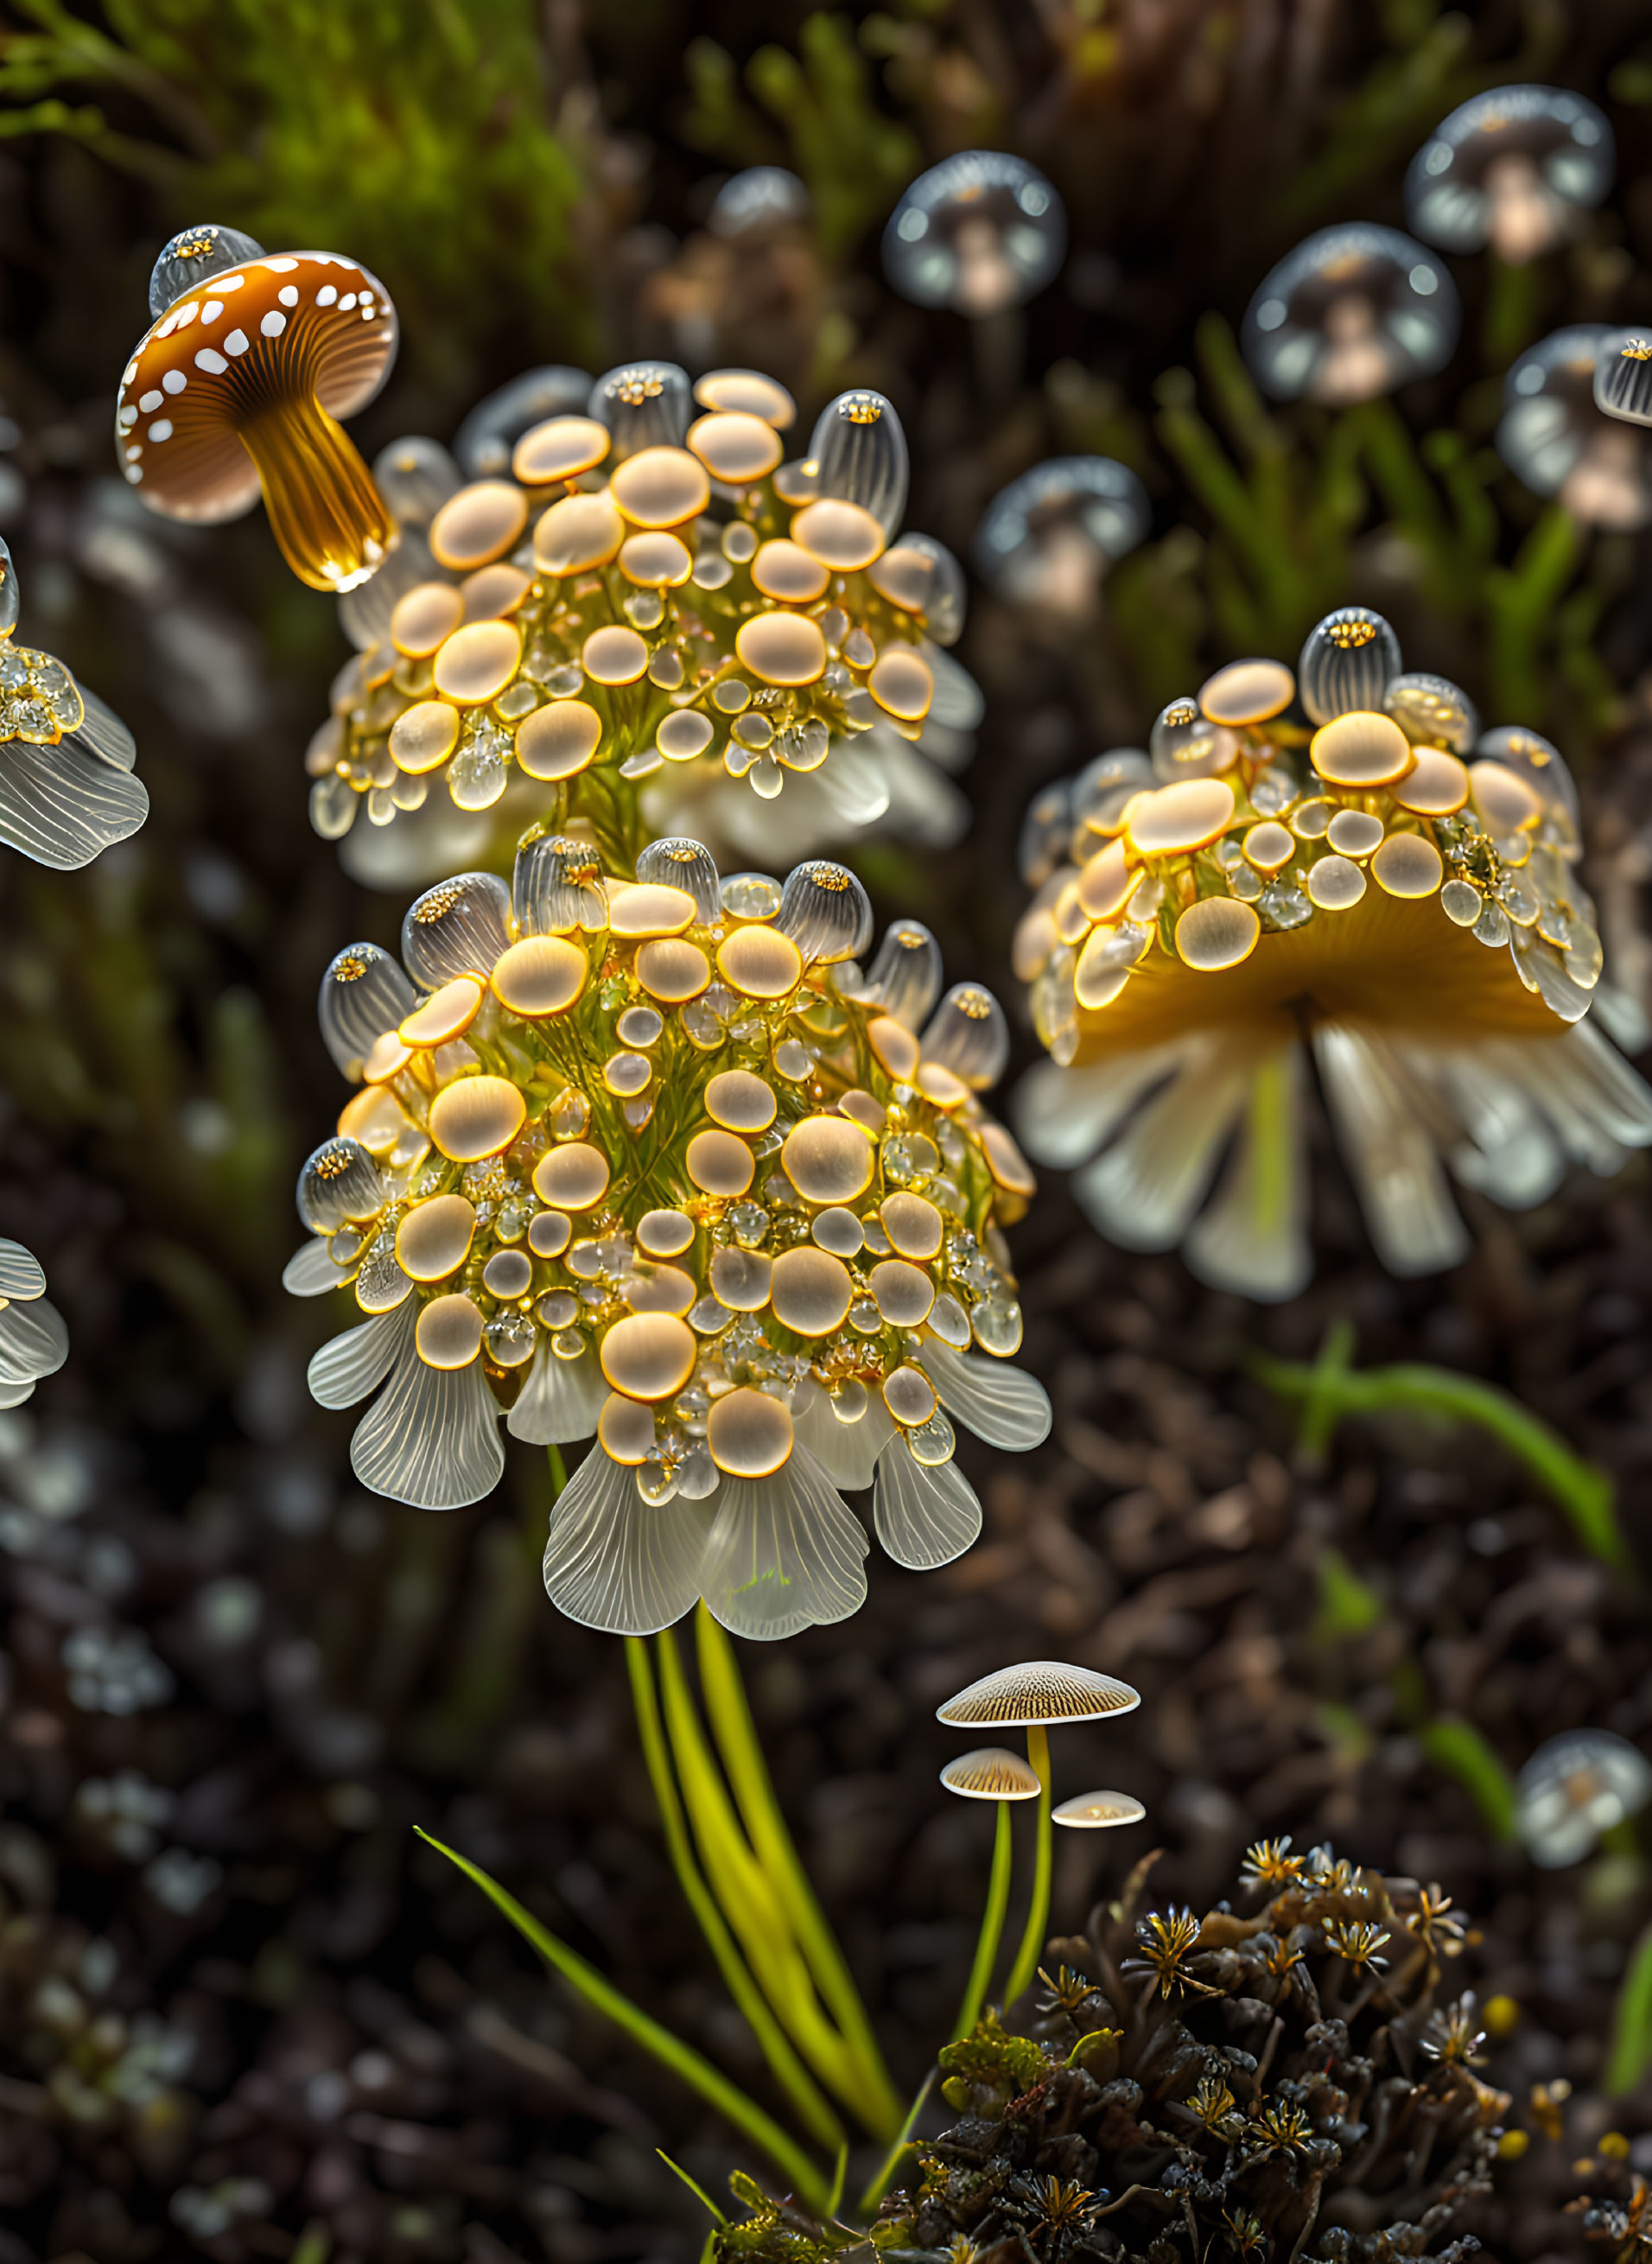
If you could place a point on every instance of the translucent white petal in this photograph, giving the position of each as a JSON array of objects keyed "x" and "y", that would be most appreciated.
[
  {"x": 60, "y": 805},
  {"x": 1062, "y": 1116},
  {"x": 1383, "y": 1129},
  {"x": 783, "y": 1554},
  {"x": 431, "y": 1437},
  {"x": 33, "y": 1342},
  {"x": 13, "y": 1394},
  {"x": 1600, "y": 1082},
  {"x": 615, "y": 1562},
  {"x": 1510, "y": 1152},
  {"x": 1143, "y": 1191},
  {"x": 560, "y": 1400},
  {"x": 924, "y": 1517},
  {"x": 102, "y": 733},
  {"x": 311, "y": 1270},
  {"x": 1003, "y": 1405},
  {"x": 21, "y": 1273},
  {"x": 1252, "y": 1235},
  {"x": 348, "y": 1367},
  {"x": 847, "y": 1452}
]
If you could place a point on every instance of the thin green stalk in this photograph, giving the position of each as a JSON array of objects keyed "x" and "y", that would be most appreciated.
[
  {"x": 698, "y": 2192},
  {"x": 1631, "y": 2023},
  {"x": 685, "y": 2062},
  {"x": 877, "y": 2100},
  {"x": 558, "y": 1470},
  {"x": 1026, "y": 1958},
  {"x": 788, "y": 2070},
  {"x": 991, "y": 1926},
  {"x": 891, "y": 2162},
  {"x": 746, "y": 1894},
  {"x": 1458, "y": 1747}
]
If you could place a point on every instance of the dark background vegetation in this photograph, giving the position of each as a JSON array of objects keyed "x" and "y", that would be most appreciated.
[{"x": 277, "y": 2014}]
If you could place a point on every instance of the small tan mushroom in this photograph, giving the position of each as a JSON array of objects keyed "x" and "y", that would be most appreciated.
[
  {"x": 990, "y": 1772},
  {"x": 1098, "y": 1811}
]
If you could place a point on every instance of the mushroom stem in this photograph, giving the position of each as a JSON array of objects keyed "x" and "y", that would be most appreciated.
[
  {"x": 991, "y": 1926},
  {"x": 1026, "y": 1958},
  {"x": 325, "y": 511}
]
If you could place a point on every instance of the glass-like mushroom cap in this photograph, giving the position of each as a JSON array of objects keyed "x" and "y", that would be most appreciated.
[
  {"x": 241, "y": 384},
  {"x": 1576, "y": 1788},
  {"x": 980, "y": 232},
  {"x": 645, "y": 405},
  {"x": 1556, "y": 441},
  {"x": 761, "y": 197},
  {"x": 1623, "y": 375},
  {"x": 1350, "y": 314},
  {"x": 1038, "y": 1690},
  {"x": 1047, "y": 539},
  {"x": 193, "y": 256},
  {"x": 1098, "y": 1811},
  {"x": 991, "y": 1773},
  {"x": 1512, "y": 168},
  {"x": 484, "y": 442},
  {"x": 861, "y": 456}
]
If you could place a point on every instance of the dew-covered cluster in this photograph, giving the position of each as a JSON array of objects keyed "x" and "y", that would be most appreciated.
[{"x": 655, "y": 1160}]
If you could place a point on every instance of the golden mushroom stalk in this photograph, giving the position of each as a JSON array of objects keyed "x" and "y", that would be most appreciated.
[{"x": 1337, "y": 864}]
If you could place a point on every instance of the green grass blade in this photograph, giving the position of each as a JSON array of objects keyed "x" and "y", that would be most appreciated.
[
  {"x": 1037, "y": 1916},
  {"x": 691, "y": 2066},
  {"x": 787, "y": 2068},
  {"x": 991, "y": 1926},
  {"x": 698, "y": 2192},
  {"x": 1458, "y": 1748},
  {"x": 1631, "y": 2052},
  {"x": 877, "y": 2101},
  {"x": 891, "y": 2162}
]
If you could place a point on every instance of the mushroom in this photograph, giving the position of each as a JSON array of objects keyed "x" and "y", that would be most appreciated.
[
  {"x": 1046, "y": 541},
  {"x": 1574, "y": 1790},
  {"x": 644, "y": 405},
  {"x": 762, "y": 198},
  {"x": 859, "y": 455},
  {"x": 484, "y": 442},
  {"x": 1515, "y": 168},
  {"x": 1393, "y": 900},
  {"x": 980, "y": 232},
  {"x": 239, "y": 383},
  {"x": 1623, "y": 376},
  {"x": 66, "y": 785},
  {"x": 1098, "y": 1811},
  {"x": 1034, "y": 1695},
  {"x": 34, "y": 1341},
  {"x": 990, "y": 1772},
  {"x": 1350, "y": 314},
  {"x": 1556, "y": 442},
  {"x": 565, "y": 1192}
]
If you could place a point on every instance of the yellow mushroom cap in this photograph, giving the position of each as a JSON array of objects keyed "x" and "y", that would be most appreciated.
[
  {"x": 1105, "y": 883},
  {"x": 446, "y": 1013},
  {"x": 665, "y": 1233},
  {"x": 740, "y": 1278},
  {"x": 683, "y": 736},
  {"x": 841, "y": 535},
  {"x": 558, "y": 741},
  {"x": 1170, "y": 820},
  {"x": 541, "y": 974},
  {"x": 827, "y": 1159},
  {"x": 1269, "y": 845},
  {"x": 903, "y": 1293},
  {"x": 1436, "y": 785},
  {"x": 572, "y": 1176},
  {"x": 810, "y": 1291},
  {"x": 749, "y": 1434},
  {"x": 434, "y": 1240},
  {"x": 734, "y": 446},
  {"x": 478, "y": 661},
  {"x": 478, "y": 525},
  {"x": 448, "y": 1333},
  {"x": 660, "y": 487},
  {"x": 902, "y": 683},
  {"x": 614, "y": 655},
  {"x": 1247, "y": 691},
  {"x": 650, "y": 908},
  {"x": 672, "y": 971},
  {"x": 913, "y": 1224},
  {"x": 1408, "y": 866},
  {"x": 1217, "y": 932},
  {"x": 1006, "y": 1163},
  {"x": 718, "y": 1165},
  {"x": 424, "y": 736},
  {"x": 760, "y": 962},
  {"x": 1038, "y": 1690},
  {"x": 1505, "y": 803},
  {"x": 895, "y": 1046},
  {"x": 476, "y": 1116},
  {"x": 625, "y": 1429},
  {"x": 559, "y": 449},
  {"x": 656, "y": 561},
  {"x": 785, "y": 649},
  {"x": 573, "y": 536},
  {"x": 991, "y": 1773},
  {"x": 649, "y": 1355},
  {"x": 910, "y": 1395},
  {"x": 1097, "y": 1811},
  {"x": 740, "y": 1102},
  {"x": 425, "y": 617},
  {"x": 784, "y": 571},
  {"x": 550, "y": 1234},
  {"x": 1362, "y": 749}
]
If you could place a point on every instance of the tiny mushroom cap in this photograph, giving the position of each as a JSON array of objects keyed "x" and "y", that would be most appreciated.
[
  {"x": 1038, "y": 1691},
  {"x": 762, "y": 197},
  {"x": 1350, "y": 314},
  {"x": 1623, "y": 376},
  {"x": 1556, "y": 442},
  {"x": 1514, "y": 168},
  {"x": 1047, "y": 539},
  {"x": 192, "y": 257},
  {"x": 484, "y": 442},
  {"x": 991, "y": 1773},
  {"x": 1097, "y": 1811},
  {"x": 1575, "y": 1787},
  {"x": 241, "y": 385},
  {"x": 980, "y": 232}
]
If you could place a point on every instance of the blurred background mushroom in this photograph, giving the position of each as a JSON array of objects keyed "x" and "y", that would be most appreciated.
[
  {"x": 1575, "y": 1790},
  {"x": 1349, "y": 314},
  {"x": 1556, "y": 441},
  {"x": 1045, "y": 543},
  {"x": 1515, "y": 168},
  {"x": 981, "y": 233}
]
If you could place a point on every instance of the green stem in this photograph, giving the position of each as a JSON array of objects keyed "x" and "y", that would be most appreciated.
[
  {"x": 558, "y": 1470},
  {"x": 991, "y": 1926},
  {"x": 1458, "y": 1747},
  {"x": 878, "y": 2103},
  {"x": 1026, "y": 1958},
  {"x": 684, "y": 2061},
  {"x": 891, "y": 2161},
  {"x": 1632, "y": 2024},
  {"x": 788, "y": 2070}
]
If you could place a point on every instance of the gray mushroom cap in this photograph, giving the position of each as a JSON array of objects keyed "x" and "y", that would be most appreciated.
[
  {"x": 763, "y": 196},
  {"x": 1575, "y": 1787},
  {"x": 980, "y": 232},
  {"x": 1513, "y": 168},
  {"x": 189, "y": 257},
  {"x": 1047, "y": 539},
  {"x": 1556, "y": 442},
  {"x": 861, "y": 456},
  {"x": 645, "y": 405},
  {"x": 484, "y": 442},
  {"x": 1623, "y": 376},
  {"x": 1350, "y": 314}
]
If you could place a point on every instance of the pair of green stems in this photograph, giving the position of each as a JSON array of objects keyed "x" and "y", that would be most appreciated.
[{"x": 742, "y": 1878}]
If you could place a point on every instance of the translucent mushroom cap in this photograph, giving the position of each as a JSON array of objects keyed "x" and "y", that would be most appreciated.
[
  {"x": 484, "y": 442},
  {"x": 1576, "y": 1788},
  {"x": 192, "y": 257},
  {"x": 1038, "y": 1691},
  {"x": 1098, "y": 1811},
  {"x": 1512, "y": 168},
  {"x": 761, "y": 197},
  {"x": 980, "y": 232},
  {"x": 1556, "y": 442},
  {"x": 1350, "y": 314},
  {"x": 1048, "y": 538},
  {"x": 1623, "y": 376},
  {"x": 991, "y": 1773}
]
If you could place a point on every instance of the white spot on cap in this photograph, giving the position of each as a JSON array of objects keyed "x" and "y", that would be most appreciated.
[
  {"x": 161, "y": 429},
  {"x": 165, "y": 329},
  {"x": 135, "y": 473},
  {"x": 328, "y": 292},
  {"x": 149, "y": 401},
  {"x": 231, "y": 282},
  {"x": 211, "y": 361},
  {"x": 186, "y": 315},
  {"x": 1424, "y": 280},
  {"x": 129, "y": 372},
  {"x": 174, "y": 381},
  {"x": 368, "y": 310},
  {"x": 273, "y": 323},
  {"x": 288, "y": 294},
  {"x": 212, "y": 310},
  {"x": 237, "y": 342},
  {"x": 128, "y": 416},
  {"x": 134, "y": 452},
  {"x": 280, "y": 266},
  {"x": 346, "y": 302}
]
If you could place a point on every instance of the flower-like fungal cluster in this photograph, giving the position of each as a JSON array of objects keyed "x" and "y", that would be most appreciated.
[
  {"x": 66, "y": 785},
  {"x": 655, "y": 1160},
  {"x": 1265, "y": 2085},
  {"x": 1341, "y": 857},
  {"x": 651, "y": 591}
]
